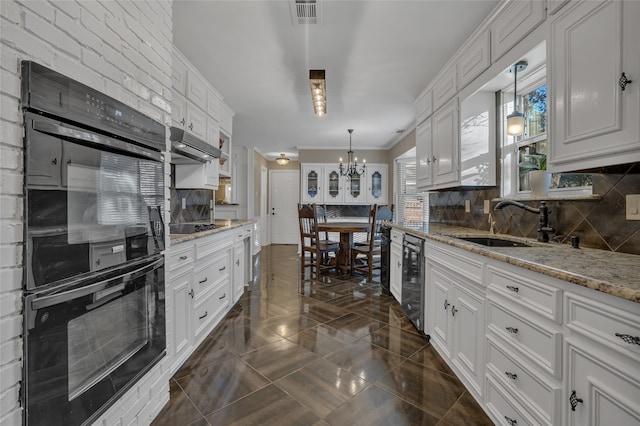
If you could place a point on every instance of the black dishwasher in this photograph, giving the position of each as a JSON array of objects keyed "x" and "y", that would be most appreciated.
[{"x": 413, "y": 284}]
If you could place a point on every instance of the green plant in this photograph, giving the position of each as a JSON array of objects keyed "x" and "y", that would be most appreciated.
[{"x": 534, "y": 162}]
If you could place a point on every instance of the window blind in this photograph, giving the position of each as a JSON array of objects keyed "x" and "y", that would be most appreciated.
[{"x": 412, "y": 207}]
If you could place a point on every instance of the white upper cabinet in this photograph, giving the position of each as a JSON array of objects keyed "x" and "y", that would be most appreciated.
[
  {"x": 424, "y": 106},
  {"x": 516, "y": 20},
  {"x": 334, "y": 185},
  {"x": 356, "y": 190},
  {"x": 179, "y": 75},
  {"x": 376, "y": 184},
  {"x": 423, "y": 155},
  {"x": 474, "y": 59},
  {"x": 553, "y": 6},
  {"x": 445, "y": 144},
  {"x": 213, "y": 105},
  {"x": 226, "y": 119},
  {"x": 478, "y": 140},
  {"x": 197, "y": 90},
  {"x": 197, "y": 122},
  {"x": 444, "y": 86},
  {"x": 312, "y": 180},
  {"x": 595, "y": 118}
]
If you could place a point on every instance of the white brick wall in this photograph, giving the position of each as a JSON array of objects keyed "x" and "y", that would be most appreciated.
[{"x": 120, "y": 48}]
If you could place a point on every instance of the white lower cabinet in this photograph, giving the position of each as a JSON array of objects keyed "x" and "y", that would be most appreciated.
[
  {"x": 199, "y": 286},
  {"x": 395, "y": 265},
  {"x": 532, "y": 349}
]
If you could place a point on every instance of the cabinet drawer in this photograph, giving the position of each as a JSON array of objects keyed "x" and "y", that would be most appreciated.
[
  {"x": 179, "y": 257},
  {"x": 242, "y": 234},
  {"x": 396, "y": 236},
  {"x": 505, "y": 409},
  {"x": 543, "y": 345},
  {"x": 212, "y": 244},
  {"x": 463, "y": 262},
  {"x": 207, "y": 311},
  {"x": 531, "y": 294},
  {"x": 616, "y": 328},
  {"x": 211, "y": 273},
  {"x": 542, "y": 396}
]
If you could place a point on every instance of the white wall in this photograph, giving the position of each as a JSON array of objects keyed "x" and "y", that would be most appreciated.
[{"x": 120, "y": 48}]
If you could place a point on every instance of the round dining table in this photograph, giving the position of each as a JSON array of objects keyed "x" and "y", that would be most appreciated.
[{"x": 346, "y": 230}]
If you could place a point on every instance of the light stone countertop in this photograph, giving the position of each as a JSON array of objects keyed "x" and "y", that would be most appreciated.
[
  {"x": 222, "y": 225},
  {"x": 617, "y": 274}
]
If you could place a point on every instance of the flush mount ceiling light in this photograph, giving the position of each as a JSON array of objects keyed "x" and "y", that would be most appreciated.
[
  {"x": 282, "y": 160},
  {"x": 318, "y": 91},
  {"x": 351, "y": 169},
  {"x": 515, "y": 120}
]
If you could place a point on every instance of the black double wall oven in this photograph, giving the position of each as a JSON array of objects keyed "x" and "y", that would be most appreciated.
[{"x": 94, "y": 304}]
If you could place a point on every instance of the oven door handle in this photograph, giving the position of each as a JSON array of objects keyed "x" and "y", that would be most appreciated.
[
  {"x": 65, "y": 296},
  {"x": 70, "y": 132}
]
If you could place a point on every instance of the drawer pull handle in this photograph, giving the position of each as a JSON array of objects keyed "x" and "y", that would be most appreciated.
[
  {"x": 512, "y": 330},
  {"x": 512, "y": 422},
  {"x": 191, "y": 293},
  {"x": 574, "y": 400},
  {"x": 183, "y": 257},
  {"x": 203, "y": 281},
  {"x": 627, "y": 338},
  {"x": 222, "y": 297},
  {"x": 512, "y": 376},
  {"x": 453, "y": 311},
  {"x": 513, "y": 288},
  {"x": 205, "y": 314},
  {"x": 446, "y": 304},
  {"x": 222, "y": 269}
]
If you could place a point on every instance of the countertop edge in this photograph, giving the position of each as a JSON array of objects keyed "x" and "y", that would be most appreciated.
[
  {"x": 564, "y": 275},
  {"x": 181, "y": 238}
]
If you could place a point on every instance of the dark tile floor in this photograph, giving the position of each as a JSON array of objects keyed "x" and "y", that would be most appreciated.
[{"x": 297, "y": 351}]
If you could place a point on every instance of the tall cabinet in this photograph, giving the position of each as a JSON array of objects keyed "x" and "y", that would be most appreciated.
[{"x": 322, "y": 183}]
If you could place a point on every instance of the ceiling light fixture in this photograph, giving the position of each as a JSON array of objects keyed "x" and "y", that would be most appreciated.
[
  {"x": 282, "y": 160},
  {"x": 318, "y": 91},
  {"x": 351, "y": 169},
  {"x": 515, "y": 120}
]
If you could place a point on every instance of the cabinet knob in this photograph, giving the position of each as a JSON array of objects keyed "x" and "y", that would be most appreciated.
[
  {"x": 434, "y": 158},
  {"x": 512, "y": 330},
  {"x": 190, "y": 126},
  {"x": 512, "y": 376},
  {"x": 54, "y": 161},
  {"x": 182, "y": 122},
  {"x": 191, "y": 293},
  {"x": 399, "y": 264},
  {"x": 453, "y": 311},
  {"x": 428, "y": 160},
  {"x": 574, "y": 400},
  {"x": 623, "y": 81},
  {"x": 238, "y": 262},
  {"x": 627, "y": 338},
  {"x": 446, "y": 304},
  {"x": 509, "y": 420},
  {"x": 513, "y": 288},
  {"x": 183, "y": 257}
]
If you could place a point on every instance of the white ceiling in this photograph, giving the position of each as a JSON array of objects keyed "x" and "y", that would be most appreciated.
[{"x": 378, "y": 56}]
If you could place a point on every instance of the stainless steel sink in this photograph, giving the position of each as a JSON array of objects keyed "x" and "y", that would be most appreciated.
[{"x": 493, "y": 242}]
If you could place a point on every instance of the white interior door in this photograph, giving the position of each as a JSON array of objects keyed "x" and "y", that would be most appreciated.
[
  {"x": 284, "y": 188},
  {"x": 263, "y": 206}
]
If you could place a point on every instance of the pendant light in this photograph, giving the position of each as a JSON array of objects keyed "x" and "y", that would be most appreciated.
[
  {"x": 351, "y": 169},
  {"x": 515, "y": 120}
]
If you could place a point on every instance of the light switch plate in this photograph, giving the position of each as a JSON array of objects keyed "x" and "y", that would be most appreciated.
[
  {"x": 633, "y": 207},
  {"x": 184, "y": 203},
  {"x": 467, "y": 206},
  {"x": 487, "y": 206}
]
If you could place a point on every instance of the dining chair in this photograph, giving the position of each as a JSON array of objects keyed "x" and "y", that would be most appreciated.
[
  {"x": 321, "y": 217},
  {"x": 363, "y": 254},
  {"x": 318, "y": 251}
]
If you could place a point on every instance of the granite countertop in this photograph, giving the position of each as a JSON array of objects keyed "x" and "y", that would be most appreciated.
[
  {"x": 617, "y": 274},
  {"x": 222, "y": 225}
]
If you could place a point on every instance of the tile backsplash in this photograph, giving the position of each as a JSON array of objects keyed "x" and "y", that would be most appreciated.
[
  {"x": 197, "y": 203},
  {"x": 600, "y": 223}
]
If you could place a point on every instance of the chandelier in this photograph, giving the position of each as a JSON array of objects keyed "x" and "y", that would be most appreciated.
[{"x": 351, "y": 169}]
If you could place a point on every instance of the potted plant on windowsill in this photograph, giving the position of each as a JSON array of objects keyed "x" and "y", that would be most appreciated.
[{"x": 539, "y": 178}]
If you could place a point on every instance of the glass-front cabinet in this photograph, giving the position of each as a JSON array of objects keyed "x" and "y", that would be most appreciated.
[
  {"x": 312, "y": 178},
  {"x": 356, "y": 190},
  {"x": 334, "y": 185},
  {"x": 376, "y": 184}
]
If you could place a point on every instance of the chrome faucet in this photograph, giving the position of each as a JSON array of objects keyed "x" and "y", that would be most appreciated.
[{"x": 543, "y": 217}]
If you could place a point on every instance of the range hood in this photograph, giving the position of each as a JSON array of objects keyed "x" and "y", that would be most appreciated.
[{"x": 190, "y": 148}]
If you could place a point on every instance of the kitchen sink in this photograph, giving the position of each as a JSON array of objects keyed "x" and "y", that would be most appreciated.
[{"x": 493, "y": 242}]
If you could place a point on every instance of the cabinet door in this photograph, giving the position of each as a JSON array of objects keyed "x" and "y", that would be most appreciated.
[
  {"x": 395, "y": 272},
  {"x": 594, "y": 121},
  {"x": 467, "y": 311},
  {"x": 179, "y": 75},
  {"x": 356, "y": 192},
  {"x": 377, "y": 184},
  {"x": 44, "y": 161},
  {"x": 442, "y": 290},
  {"x": 445, "y": 144},
  {"x": 212, "y": 174},
  {"x": 311, "y": 183},
  {"x": 609, "y": 391},
  {"x": 474, "y": 60},
  {"x": 213, "y": 105},
  {"x": 197, "y": 90},
  {"x": 445, "y": 86},
  {"x": 238, "y": 271},
  {"x": 179, "y": 111},
  {"x": 196, "y": 122},
  {"x": 333, "y": 186},
  {"x": 213, "y": 132},
  {"x": 515, "y": 21},
  {"x": 180, "y": 326},
  {"x": 424, "y": 161},
  {"x": 424, "y": 106}
]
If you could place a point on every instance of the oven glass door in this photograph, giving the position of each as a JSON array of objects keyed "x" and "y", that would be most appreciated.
[
  {"x": 90, "y": 206},
  {"x": 88, "y": 343}
]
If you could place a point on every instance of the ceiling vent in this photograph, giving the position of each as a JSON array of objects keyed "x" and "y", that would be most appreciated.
[{"x": 305, "y": 12}]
